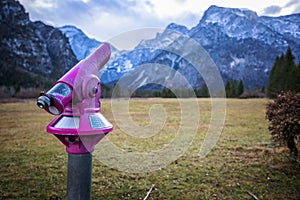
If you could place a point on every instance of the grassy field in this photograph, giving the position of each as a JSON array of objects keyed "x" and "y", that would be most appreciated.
[{"x": 34, "y": 164}]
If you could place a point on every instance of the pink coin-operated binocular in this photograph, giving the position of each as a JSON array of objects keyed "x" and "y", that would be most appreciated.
[{"x": 75, "y": 98}]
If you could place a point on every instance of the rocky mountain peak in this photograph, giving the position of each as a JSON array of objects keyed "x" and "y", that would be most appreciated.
[
  {"x": 224, "y": 16},
  {"x": 80, "y": 43},
  {"x": 12, "y": 11},
  {"x": 176, "y": 27}
]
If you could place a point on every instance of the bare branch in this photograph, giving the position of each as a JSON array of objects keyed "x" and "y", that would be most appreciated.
[
  {"x": 149, "y": 192},
  {"x": 252, "y": 195}
]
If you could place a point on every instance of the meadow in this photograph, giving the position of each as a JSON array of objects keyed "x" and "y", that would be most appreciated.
[{"x": 243, "y": 165}]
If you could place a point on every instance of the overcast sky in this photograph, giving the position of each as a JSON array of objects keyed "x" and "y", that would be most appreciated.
[{"x": 103, "y": 19}]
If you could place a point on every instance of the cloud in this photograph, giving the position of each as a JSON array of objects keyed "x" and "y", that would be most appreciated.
[
  {"x": 114, "y": 6},
  {"x": 56, "y": 12},
  {"x": 107, "y": 18},
  {"x": 292, "y": 3},
  {"x": 295, "y": 4},
  {"x": 297, "y": 9},
  {"x": 272, "y": 10}
]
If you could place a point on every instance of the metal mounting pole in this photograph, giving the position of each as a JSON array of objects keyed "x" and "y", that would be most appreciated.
[{"x": 79, "y": 176}]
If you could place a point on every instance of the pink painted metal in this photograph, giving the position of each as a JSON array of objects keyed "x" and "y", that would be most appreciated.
[{"x": 80, "y": 125}]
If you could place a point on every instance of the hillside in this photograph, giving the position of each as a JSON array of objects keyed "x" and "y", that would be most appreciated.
[{"x": 33, "y": 54}]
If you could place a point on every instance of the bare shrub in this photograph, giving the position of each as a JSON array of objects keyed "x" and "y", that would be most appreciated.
[{"x": 284, "y": 117}]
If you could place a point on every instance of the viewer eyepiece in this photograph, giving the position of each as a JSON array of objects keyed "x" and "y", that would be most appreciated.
[{"x": 43, "y": 102}]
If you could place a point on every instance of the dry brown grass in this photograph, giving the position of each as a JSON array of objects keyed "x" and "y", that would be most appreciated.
[{"x": 33, "y": 163}]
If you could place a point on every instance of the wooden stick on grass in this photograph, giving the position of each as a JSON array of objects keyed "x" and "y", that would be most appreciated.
[
  {"x": 149, "y": 192},
  {"x": 252, "y": 195}
]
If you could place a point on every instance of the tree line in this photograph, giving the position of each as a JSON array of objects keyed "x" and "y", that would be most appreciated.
[
  {"x": 284, "y": 76},
  {"x": 233, "y": 89}
]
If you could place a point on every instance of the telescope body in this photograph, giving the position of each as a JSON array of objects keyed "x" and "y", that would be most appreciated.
[{"x": 75, "y": 98}]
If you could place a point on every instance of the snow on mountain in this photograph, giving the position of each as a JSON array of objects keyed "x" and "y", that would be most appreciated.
[
  {"x": 230, "y": 34},
  {"x": 239, "y": 24},
  {"x": 242, "y": 44},
  {"x": 80, "y": 43}
]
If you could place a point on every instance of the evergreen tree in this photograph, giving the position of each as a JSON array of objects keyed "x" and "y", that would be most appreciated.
[
  {"x": 156, "y": 94},
  {"x": 289, "y": 68},
  {"x": 284, "y": 75},
  {"x": 234, "y": 89},
  {"x": 228, "y": 89},
  {"x": 273, "y": 89},
  {"x": 197, "y": 92},
  {"x": 240, "y": 89},
  {"x": 234, "y": 85},
  {"x": 105, "y": 91},
  {"x": 116, "y": 92},
  {"x": 167, "y": 93},
  {"x": 204, "y": 91}
]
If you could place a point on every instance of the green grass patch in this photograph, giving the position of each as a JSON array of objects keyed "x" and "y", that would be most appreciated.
[{"x": 34, "y": 163}]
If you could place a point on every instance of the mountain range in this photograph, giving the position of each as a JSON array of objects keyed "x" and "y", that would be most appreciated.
[{"x": 242, "y": 44}]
